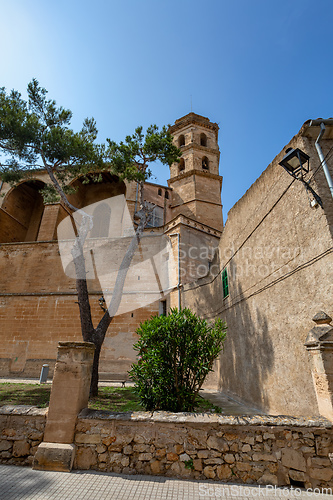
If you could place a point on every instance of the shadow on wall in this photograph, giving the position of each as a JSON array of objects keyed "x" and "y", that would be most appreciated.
[{"x": 248, "y": 357}]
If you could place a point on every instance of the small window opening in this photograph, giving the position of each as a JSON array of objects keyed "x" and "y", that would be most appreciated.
[
  {"x": 181, "y": 165},
  {"x": 205, "y": 163},
  {"x": 181, "y": 140},
  {"x": 160, "y": 192},
  {"x": 225, "y": 283},
  {"x": 167, "y": 194},
  {"x": 163, "y": 308},
  {"x": 203, "y": 140}
]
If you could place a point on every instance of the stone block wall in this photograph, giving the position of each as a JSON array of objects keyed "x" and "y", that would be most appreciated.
[
  {"x": 262, "y": 450},
  {"x": 254, "y": 450},
  {"x": 21, "y": 431}
]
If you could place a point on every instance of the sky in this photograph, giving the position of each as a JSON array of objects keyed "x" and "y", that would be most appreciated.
[{"x": 258, "y": 68}]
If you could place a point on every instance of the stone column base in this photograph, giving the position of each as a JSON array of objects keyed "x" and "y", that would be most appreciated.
[{"x": 54, "y": 456}]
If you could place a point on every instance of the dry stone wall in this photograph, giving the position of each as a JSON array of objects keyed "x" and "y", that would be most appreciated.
[
  {"x": 255, "y": 450},
  {"x": 264, "y": 450},
  {"x": 21, "y": 431}
]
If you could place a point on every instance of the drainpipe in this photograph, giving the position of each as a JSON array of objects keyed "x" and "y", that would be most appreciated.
[
  {"x": 178, "y": 285},
  {"x": 322, "y": 159}
]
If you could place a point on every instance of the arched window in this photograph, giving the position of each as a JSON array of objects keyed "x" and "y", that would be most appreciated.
[
  {"x": 167, "y": 194},
  {"x": 181, "y": 166},
  {"x": 203, "y": 140},
  {"x": 205, "y": 163},
  {"x": 181, "y": 140},
  {"x": 101, "y": 220},
  {"x": 159, "y": 192}
]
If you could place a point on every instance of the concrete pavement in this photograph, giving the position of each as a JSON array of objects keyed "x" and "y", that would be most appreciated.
[{"x": 18, "y": 483}]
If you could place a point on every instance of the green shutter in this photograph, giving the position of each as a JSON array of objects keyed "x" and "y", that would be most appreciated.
[{"x": 225, "y": 284}]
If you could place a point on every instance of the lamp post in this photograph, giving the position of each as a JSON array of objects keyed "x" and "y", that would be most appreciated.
[{"x": 296, "y": 163}]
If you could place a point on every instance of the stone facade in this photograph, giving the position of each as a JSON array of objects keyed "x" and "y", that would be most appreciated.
[
  {"x": 277, "y": 251},
  {"x": 276, "y": 248}
]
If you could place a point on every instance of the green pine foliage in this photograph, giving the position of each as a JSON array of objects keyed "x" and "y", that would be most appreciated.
[{"x": 176, "y": 353}]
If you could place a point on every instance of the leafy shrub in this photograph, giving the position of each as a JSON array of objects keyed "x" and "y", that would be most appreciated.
[{"x": 176, "y": 353}]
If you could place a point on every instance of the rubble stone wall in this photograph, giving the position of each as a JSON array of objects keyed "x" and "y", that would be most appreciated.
[{"x": 255, "y": 450}]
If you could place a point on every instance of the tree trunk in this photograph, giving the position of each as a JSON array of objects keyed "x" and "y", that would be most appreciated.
[{"x": 94, "y": 376}]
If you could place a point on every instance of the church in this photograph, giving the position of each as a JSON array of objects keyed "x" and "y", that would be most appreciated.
[{"x": 268, "y": 271}]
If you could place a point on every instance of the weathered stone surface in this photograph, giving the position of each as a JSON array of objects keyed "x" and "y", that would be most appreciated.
[
  {"x": 102, "y": 457},
  {"x": 5, "y": 445},
  {"x": 229, "y": 458},
  {"x": 197, "y": 464},
  {"x": 82, "y": 438},
  {"x": 101, "y": 448},
  {"x": 172, "y": 457},
  {"x": 223, "y": 472},
  {"x": 321, "y": 474},
  {"x": 217, "y": 443},
  {"x": 155, "y": 467},
  {"x": 268, "y": 479},
  {"x": 209, "y": 472},
  {"x": 115, "y": 458},
  {"x": 21, "y": 448},
  {"x": 54, "y": 456},
  {"x": 184, "y": 457},
  {"x": 293, "y": 459},
  {"x": 85, "y": 458},
  {"x": 161, "y": 453},
  {"x": 246, "y": 448},
  {"x": 263, "y": 457},
  {"x": 145, "y": 457},
  {"x": 297, "y": 475},
  {"x": 244, "y": 467},
  {"x": 203, "y": 454}
]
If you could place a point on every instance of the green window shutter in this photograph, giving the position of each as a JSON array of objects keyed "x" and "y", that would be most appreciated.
[{"x": 225, "y": 284}]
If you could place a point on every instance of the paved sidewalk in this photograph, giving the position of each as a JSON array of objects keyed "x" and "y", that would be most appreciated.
[{"x": 24, "y": 483}]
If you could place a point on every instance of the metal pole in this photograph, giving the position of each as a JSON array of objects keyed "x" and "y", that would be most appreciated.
[{"x": 322, "y": 159}]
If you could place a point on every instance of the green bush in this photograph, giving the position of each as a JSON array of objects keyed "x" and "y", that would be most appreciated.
[{"x": 176, "y": 353}]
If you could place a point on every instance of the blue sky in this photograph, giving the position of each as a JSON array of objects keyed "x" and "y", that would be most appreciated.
[{"x": 259, "y": 68}]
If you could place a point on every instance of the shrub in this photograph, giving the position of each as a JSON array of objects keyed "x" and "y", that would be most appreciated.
[{"x": 176, "y": 353}]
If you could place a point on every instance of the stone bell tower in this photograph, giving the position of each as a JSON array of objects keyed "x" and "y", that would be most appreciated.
[{"x": 195, "y": 180}]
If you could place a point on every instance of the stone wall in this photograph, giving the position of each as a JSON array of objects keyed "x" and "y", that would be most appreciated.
[
  {"x": 21, "y": 431},
  {"x": 254, "y": 450},
  {"x": 264, "y": 450},
  {"x": 277, "y": 250}
]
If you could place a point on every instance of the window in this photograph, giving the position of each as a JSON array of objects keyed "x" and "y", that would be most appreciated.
[
  {"x": 181, "y": 166},
  {"x": 167, "y": 194},
  {"x": 205, "y": 163},
  {"x": 163, "y": 308},
  {"x": 225, "y": 284},
  {"x": 203, "y": 140},
  {"x": 181, "y": 140},
  {"x": 160, "y": 192},
  {"x": 156, "y": 219}
]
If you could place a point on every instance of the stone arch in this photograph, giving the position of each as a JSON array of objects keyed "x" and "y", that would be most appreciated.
[
  {"x": 87, "y": 194},
  {"x": 21, "y": 212}
]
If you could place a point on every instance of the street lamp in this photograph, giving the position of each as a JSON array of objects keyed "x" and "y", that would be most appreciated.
[{"x": 295, "y": 162}]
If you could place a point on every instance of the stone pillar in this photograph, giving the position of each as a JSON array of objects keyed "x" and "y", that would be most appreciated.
[
  {"x": 48, "y": 225},
  {"x": 69, "y": 395},
  {"x": 319, "y": 344}
]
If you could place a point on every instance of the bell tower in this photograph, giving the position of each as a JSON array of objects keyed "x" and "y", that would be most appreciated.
[{"x": 195, "y": 180}]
